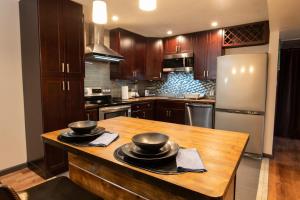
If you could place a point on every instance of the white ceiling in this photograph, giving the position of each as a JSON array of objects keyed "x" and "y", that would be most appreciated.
[
  {"x": 285, "y": 17},
  {"x": 181, "y": 16}
]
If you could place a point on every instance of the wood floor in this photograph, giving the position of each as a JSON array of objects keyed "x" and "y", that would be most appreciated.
[
  {"x": 284, "y": 170},
  {"x": 22, "y": 179},
  {"x": 284, "y": 176}
]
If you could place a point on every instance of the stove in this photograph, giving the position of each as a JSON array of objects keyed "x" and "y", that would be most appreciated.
[
  {"x": 102, "y": 97},
  {"x": 108, "y": 107}
]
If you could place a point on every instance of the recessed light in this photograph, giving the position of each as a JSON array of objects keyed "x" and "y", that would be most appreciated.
[
  {"x": 115, "y": 18},
  {"x": 99, "y": 12},
  {"x": 147, "y": 5},
  {"x": 169, "y": 32},
  {"x": 214, "y": 24}
]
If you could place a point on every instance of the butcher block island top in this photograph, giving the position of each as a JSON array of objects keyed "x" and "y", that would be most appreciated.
[{"x": 220, "y": 151}]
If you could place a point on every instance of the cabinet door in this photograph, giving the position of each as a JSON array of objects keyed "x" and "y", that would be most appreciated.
[
  {"x": 177, "y": 116},
  {"x": 127, "y": 66},
  {"x": 54, "y": 119},
  {"x": 74, "y": 100},
  {"x": 92, "y": 115},
  {"x": 73, "y": 34},
  {"x": 214, "y": 50},
  {"x": 186, "y": 43},
  {"x": 140, "y": 57},
  {"x": 51, "y": 38},
  {"x": 171, "y": 45},
  {"x": 54, "y": 104},
  {"x": 154, "y": 59},
  {"x": 200, "y": 55}
]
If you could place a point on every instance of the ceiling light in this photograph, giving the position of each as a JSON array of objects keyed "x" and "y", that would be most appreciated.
[
  {"x": 170, "y": 32},
  {"x": 147, "y": 5},
  {"x": 99, "y": 12},
  {"x": 115, "y": 18},
  {"x": 214, "y": 24}
]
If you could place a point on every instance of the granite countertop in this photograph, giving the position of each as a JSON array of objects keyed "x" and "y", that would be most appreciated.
[
  {"x": 139, "y": 99},
  {"x": 153, "y": 98}
]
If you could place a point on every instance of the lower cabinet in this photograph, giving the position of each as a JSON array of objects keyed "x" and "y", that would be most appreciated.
[
  {"x": 169, "y": 111},
  {"x": 143, "y": 110},
  {"x": 92, "y": 114}
]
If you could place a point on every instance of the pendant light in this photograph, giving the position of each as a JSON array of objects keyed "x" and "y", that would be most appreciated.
[
  {"x": 147, "y": 5},
  {"x": 99, "y": 12}
]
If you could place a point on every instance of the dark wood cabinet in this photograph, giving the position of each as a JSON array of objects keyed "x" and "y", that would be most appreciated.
[
  {"x": 51, "y": 36},
  {"x": 125, "y": 43},
  {"x": 53, "y": 72},
  {"x": 170, "y": 111},
  {"x": 92, "y": 114},
  {"x": 73, "y": 37},
  {"x": 200, "y": 55},
  {"x": 179, "y": 44},
  {"x": 143, "y": 110},
  {"x": 154, "y": 58},
  {"x": 143, "y": 56},
  {"x": 214, "y": 50},
  {"x": 207, "y": 47},
  {"x": 171, "y": 45}
]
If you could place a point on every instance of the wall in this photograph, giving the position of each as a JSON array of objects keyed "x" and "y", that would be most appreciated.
[
  {"x": 12, "y": 128},
  {"x": 272, "y": 89}
]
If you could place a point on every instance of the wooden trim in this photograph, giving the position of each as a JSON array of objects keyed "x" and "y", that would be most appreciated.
[{"x": 13, "y": 169}]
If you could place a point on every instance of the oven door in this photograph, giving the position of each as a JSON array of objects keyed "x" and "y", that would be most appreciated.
[{"x": 114, "y": 111}]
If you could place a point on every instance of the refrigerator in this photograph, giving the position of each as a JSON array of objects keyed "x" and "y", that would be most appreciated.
[{"x": 241, "y": 89}]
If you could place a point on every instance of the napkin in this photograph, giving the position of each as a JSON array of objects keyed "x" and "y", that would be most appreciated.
[
  {"x": 188, "y": 160},
  {"x": 104, "y": 140}
]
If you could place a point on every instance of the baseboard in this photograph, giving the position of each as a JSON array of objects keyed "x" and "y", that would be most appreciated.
[
  {"x": 268, "y": 155},
  {"x": 13, "y": 169}
]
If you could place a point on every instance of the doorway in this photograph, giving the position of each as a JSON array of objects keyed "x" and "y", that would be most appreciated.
[{"x": 287, "y": 123}]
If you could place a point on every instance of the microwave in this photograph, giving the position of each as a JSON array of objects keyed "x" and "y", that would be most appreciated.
[{"x": 180, "y": 62}]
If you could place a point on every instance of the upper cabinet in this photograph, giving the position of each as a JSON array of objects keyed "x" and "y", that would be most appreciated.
[
  {"x": 61, "y": 38},
  {"x": 132, "y": 47},
  {"x": 142, "y": 56},
  {"x": 207, "y": 47},
  {"x": 154, "y": 58},
  {"x": 178, "y": 44}
]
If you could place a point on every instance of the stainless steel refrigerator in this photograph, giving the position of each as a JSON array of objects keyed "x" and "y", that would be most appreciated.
[{"x": 241, "y": 96}]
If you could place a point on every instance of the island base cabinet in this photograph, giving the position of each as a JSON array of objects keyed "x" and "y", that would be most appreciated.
[{"x": 111, "y": 182}]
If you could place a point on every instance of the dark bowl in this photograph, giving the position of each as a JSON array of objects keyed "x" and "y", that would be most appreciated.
[
  {"x": 150, "y": 141},
  {"x": 83, "y": 127}
]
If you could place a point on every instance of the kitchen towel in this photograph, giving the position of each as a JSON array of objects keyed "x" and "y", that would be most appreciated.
[
  {"x": 104, "y": 140},
  {"x": 188, "y": 160}
]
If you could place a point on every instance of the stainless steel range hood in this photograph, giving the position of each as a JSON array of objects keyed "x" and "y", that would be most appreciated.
[{"x": 95, "y": 50}]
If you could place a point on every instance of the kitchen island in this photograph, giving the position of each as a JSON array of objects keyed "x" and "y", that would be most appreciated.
[{"x": 96, "y": 169}]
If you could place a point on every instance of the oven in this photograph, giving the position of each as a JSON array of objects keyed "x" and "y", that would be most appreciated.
[{"x": 114, "y": 111}]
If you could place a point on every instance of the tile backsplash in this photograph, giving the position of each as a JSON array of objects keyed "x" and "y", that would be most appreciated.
[
  {"x": 173, "y": 84},
  {"x": 179, "y": 83}
]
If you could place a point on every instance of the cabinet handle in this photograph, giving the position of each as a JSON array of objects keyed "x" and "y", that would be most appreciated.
[
  {"x": 68, "y": 83},
  {"x": 160, "y": 75},
  {"x": 68, "y": 68},
  {"x": 63, "y": 67},
  {"x": 155, "y": 77},
  {"x": 207, "y": 74},
  {"x": 63, "y": 86},
  {"x": 144, "y": 115},
  {"x": 88, "y": 116},
  {"x": 204, "y": 74}
]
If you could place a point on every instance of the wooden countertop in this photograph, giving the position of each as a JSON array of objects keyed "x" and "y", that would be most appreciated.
[
  {"x": 221, "y": 152},
  {"x": 140, "y": 99}
]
